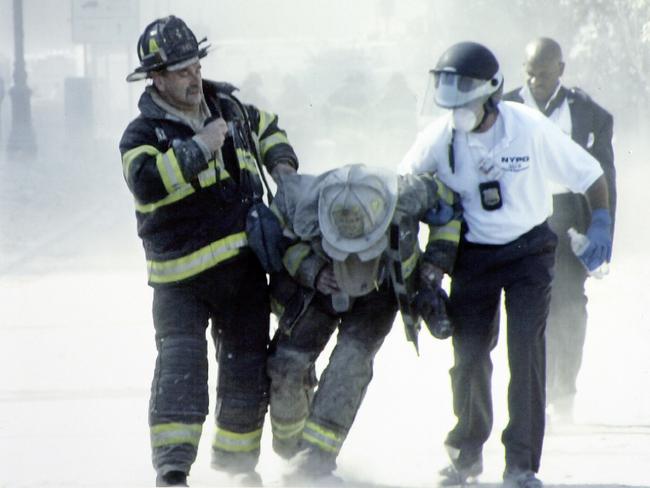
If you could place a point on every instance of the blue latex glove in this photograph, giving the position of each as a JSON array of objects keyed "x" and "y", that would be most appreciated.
[
  {"x": 600, "y": 240},
  {"x": 440, "y": 214}
]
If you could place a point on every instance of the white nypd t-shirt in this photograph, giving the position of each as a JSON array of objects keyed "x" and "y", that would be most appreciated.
[{"x": 528, "y": 150}]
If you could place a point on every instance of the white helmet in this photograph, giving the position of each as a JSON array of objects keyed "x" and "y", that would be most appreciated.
[{"x": 355, "y": 207}]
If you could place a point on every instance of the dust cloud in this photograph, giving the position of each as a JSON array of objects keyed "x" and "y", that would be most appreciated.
[{"x": 347, "y": 79}]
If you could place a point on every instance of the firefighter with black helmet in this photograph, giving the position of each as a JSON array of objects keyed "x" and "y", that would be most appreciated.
[
  {"x": 193, "y": 160},
  {"x": 500, "y": 158}
]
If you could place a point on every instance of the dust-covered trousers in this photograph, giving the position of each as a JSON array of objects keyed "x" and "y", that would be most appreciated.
[
  {"x": 566, "y": 326},
  {"x": 234, "y": 296},
  {"x": 522, "y": 269},
  {"x": 321, "y": 423}
]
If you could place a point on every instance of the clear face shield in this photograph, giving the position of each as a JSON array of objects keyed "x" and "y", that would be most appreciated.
[{"x": 462, "y": 94}]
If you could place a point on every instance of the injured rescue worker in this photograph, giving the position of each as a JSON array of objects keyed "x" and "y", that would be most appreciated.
[{"x": 354, "y": 259}]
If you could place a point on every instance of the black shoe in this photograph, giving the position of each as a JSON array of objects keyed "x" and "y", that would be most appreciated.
[
  {"x": 453, "y": 475},
  {"x": 517, "y": 478},
  {"x": 172, "y": 478}
]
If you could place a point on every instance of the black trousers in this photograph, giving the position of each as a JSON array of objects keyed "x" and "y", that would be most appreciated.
[
  {"x": 234, "y": 297},
  {"x": 521, "y": 269},
  {"x": 566, "y": 327}
]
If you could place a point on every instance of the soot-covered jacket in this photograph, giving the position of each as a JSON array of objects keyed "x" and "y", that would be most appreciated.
[
  {"x": 191, "y": 211},
  {"x": 305, "y": 257}
]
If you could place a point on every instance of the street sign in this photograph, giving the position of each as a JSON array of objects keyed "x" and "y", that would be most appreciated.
[{"x": 105, "y": 21}]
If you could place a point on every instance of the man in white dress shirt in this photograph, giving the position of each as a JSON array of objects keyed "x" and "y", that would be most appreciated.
[
  {"x": 591, "y": 126},
  {"x": 499, "y": 157}
]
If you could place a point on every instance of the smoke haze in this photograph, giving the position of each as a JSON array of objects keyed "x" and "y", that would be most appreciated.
[{"x": 347, "y": 79}]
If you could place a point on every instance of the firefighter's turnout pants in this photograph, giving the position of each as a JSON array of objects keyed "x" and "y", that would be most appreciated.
[
  {"x": 523, "y": 270},
  {"x": 234, "y": 297},
  {"x": 320, "y": 422}
]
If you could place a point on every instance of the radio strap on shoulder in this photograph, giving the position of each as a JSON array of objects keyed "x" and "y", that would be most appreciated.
[
  {"x": 258, "y": 158},
  {"x": 452, "y": 157},
  {"x": 409, "y": 317}
]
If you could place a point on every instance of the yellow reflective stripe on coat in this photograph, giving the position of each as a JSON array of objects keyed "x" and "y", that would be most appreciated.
[
  {"x": 227, "y": 440},
  {"x": 448, "y": 232},
  {"x": 131, "y": 154},
  {"x": 215, "y": 171},
  {"x": 294, "y": 255},
  {"x": 192, "y": 264},
  {"x": 284, "y": 430},
  {"x": 170, "y": 170},
  {"x": 276, "y": 211},
  {"x": 246, "y": 160},
  {"x": 207, "y": 177},
  {"x": 175, "y": 433},
  {"x": 268, "y": 142},
  {"x": 321, "y": 437},
  {"x": 172, "y": 198},
  {"x": 444, "y": 192},
  {"x": 409, "y": 264},
  {"x": 266, "y": 119}
]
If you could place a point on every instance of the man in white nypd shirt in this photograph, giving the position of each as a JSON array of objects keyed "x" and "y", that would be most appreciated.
[{"x": 499, "y": 157}]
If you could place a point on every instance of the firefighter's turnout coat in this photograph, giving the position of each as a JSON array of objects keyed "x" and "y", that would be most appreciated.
[
  {"x": 308, "y": 319},
  {"x": 191, "y": 210},
  {"x": 305, "y": 257}
]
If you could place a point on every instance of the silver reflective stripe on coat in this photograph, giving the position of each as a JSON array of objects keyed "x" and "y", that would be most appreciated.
[{"x": 170, "y": 171}]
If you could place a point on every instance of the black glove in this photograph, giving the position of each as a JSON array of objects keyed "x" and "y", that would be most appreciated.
[{"x": 431, "y": 303}]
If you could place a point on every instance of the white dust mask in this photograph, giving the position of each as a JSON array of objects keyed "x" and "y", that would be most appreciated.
[{"x": 467, "y": 117}]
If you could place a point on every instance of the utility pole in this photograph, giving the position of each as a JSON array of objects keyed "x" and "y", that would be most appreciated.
[{"x": 22, "y": 141}]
